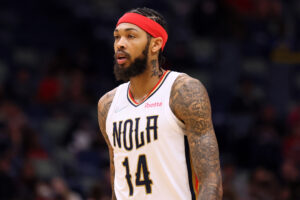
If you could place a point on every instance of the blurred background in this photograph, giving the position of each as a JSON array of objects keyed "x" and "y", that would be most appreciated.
[{"x": 56, "y": 61}]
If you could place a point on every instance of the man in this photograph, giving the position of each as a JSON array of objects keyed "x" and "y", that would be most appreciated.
[{"x": 157, "y": 125}]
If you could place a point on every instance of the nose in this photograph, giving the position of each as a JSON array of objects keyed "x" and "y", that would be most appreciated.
[{"x": 121, "y": 43}]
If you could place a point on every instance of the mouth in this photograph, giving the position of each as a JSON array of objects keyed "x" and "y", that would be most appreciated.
[
  {"x": 121, "y": 57},
  {"x": 121, "y": 60}
]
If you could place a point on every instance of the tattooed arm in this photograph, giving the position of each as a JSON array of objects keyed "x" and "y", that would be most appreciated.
[
  {"x": 103, "y": 108},
  {"x": 190, "y": 103}
]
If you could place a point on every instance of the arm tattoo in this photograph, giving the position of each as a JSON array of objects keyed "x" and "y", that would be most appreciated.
[
  {"x": 156, "y": 70},
  {"x": 103, "y": 108},
  {"x": 190, "y": 103}
]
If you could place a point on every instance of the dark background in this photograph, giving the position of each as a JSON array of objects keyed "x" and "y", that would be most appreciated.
[{"x": 56, "y": 59}]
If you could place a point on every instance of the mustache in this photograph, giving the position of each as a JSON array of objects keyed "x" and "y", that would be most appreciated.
[{"x": 127, "y": 55}]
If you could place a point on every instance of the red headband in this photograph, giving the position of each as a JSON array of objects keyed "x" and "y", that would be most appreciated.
[{"x": 148, "y": 25}]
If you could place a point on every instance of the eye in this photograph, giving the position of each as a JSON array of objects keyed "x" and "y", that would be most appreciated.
[
  {"x": 116, "y": 37},
  {"x": 131, "y": 36}
]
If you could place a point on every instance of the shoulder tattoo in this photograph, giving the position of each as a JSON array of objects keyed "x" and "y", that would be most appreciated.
[
  {"x": 190, "y": 103},
  {"x": 103, "y": 108}
]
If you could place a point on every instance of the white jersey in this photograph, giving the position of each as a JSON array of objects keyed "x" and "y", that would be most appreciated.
[{"x": 151, "y": 155}]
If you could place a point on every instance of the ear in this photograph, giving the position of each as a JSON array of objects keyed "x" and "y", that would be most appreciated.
[{"x": 156, "y": 44}]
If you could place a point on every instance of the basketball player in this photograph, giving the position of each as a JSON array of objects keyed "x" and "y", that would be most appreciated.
[{"x": 158, "y": 124}]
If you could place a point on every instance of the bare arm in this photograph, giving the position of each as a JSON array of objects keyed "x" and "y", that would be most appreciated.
[
  {"x": 103, "y": 108},
  {"x": 190, "y": 103}
]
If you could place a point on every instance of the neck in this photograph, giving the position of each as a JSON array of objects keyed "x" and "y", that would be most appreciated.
[{"x": 141, "y": 85}]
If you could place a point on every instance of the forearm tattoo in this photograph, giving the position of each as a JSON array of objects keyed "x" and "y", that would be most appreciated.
[{"x": 190, "y": 103}]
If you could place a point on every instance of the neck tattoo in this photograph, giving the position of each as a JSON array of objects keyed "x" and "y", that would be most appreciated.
[{"x": 156, "y": 70}]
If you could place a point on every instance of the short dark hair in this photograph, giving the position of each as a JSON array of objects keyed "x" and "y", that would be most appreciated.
[{"x": 157, "y": 17}]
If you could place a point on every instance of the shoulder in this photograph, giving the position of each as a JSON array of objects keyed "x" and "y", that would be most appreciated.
[
  {"x": 104, "y": 104},
  {"x": 107, "y": 97},
  {"x": 187, "y": 82},
  {"x": 188, "y": 95},
  {"x": 103, "y": 108},
  {"x": 187, "y": 88}
]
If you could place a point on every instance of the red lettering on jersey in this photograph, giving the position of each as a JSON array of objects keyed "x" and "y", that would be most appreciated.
[{"x": 153, "y": 105}]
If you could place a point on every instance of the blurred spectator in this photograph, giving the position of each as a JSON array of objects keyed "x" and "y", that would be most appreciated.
[
  {"x": 14, "y": 120},
  {"x": 254, "y": 8},
  {"x": 81, "y": 141},
  {"x": 293, "y": 118},
  {"x": 234, "y": 182},
  {"x": 32, "y": 146},
  {"x": 21, "y": 87},
  {"x": 265, "y": 140},
  {"x": 290, "y": 175},
  {"x": 61, "y": 190},
  {"x": 7, "y": 184},
  {"x": 290, "y": 172},
  {"x": 263, "y": 185},
  {"x": 97, "y": 192},
  {"x": 205, "y": 14},
  {"x": 291, "y": 143},
  {"x": 43, "y": 191},
  {"x": 50, "y": 88},
  {"x": 268, "y": 116},
  {"x": 247, "y": 99},
  {"x": 28, "y": 181}
]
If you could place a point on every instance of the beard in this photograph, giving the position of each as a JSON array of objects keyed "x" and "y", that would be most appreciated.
[{"x": 138, "y": 66}]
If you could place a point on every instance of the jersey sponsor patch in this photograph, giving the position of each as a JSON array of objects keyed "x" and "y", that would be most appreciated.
[{"x": 153, "y": 105}]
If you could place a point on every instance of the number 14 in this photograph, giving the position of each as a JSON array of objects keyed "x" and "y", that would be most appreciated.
[{"x": 142, "y": 169}]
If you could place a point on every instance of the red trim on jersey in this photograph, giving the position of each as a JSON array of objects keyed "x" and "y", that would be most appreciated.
[{"x": 130, "y": 97}]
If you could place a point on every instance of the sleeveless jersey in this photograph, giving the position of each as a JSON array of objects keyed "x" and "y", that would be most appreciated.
[{"x": 151, "y": 155}]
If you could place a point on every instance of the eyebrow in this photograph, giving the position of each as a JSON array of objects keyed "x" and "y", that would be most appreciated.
[{"x": 126, "y": 29}]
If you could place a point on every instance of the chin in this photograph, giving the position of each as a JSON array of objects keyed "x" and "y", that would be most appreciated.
[{"x": 125, "y": 65}]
